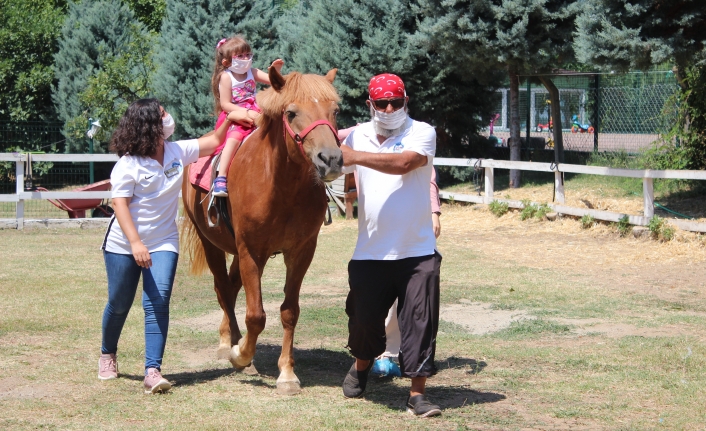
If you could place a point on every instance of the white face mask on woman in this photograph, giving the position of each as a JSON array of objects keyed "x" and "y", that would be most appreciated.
[
  {"x": 240, "y": 66},
  {"x": 168, "y": 126}
]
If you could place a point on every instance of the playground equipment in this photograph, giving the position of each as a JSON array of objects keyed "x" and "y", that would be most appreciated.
[
  {"x": 498, "y": 142},
  {"x": 577, "y": 127},
  {"x": 548, "y": 127}
]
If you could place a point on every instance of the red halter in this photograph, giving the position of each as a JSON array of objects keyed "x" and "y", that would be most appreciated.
[{"x": 299, "y": 137}]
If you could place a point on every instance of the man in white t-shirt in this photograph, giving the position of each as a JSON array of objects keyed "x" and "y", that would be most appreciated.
[{"x": 395, "y": 256}]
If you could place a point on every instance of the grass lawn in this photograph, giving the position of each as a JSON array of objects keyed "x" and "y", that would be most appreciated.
[{"x": 544, "y": 326}]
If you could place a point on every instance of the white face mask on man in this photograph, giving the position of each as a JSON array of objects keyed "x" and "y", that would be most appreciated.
[
  {"x": 391, "y": 121},
  {"x": 168, "y": 126},
  {"x": 240, "y": 66}
]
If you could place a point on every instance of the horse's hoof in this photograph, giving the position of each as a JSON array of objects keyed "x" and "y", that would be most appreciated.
[
  {"x": 289, "y": 388},
  {"x": 250, "y": 370},
  {"x": 223, "y": 352},
  {"x": 236, "y": 359}
]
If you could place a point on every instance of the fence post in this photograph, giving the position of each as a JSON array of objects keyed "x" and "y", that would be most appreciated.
[
  {"x": 529, "y": 107},
  {"x": 489, "y": 185},
  {"x": 648, "y": 196},
  {"x": 596, "y": 115},
  {"x": 19, "y": 189},
  {"x": 559, "y": 186}
]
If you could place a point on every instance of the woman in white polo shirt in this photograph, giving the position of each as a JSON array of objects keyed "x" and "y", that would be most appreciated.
[{"x": 145, "y": 241}]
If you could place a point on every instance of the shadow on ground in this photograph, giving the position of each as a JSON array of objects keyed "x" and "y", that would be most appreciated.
[{"x": 324, "y": 367}]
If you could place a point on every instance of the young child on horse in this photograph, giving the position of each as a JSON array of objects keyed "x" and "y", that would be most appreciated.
[{"x": 234, "y": 87}]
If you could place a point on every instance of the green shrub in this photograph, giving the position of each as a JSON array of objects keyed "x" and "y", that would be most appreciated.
[
  {"x": 542, "y": 211},
  {"x": 587, "y": 221},
  {"x": 655, "y": 226},
  {"x": 660, "y": 229},
  {"x": 624, "y": 225},
  {"x": 528, "y": 209},
  {"x": 498, "y": 208}
]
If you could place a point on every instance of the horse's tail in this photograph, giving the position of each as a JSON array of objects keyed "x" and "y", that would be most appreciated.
[{"x": 191, "y": 242}]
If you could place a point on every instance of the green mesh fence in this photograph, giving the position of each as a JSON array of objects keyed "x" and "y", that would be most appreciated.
[{"x": 608, "y": 112}]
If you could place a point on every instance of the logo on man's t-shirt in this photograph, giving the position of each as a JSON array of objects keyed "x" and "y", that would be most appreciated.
[{"x": 398, "y": 147}]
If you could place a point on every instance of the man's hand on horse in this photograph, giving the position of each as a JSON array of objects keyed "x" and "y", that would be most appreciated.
[{"x": 348, "y": 154}]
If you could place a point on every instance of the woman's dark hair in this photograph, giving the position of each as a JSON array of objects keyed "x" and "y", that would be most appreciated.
[{"x": 140, "y": 130}]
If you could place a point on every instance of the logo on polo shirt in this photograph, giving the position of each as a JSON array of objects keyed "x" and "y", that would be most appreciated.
[{"x": 398, "y": 147}]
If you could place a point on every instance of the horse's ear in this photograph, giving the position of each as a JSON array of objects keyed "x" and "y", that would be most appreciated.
[
  {"x": 331, "y": 75},
  {"x": 276, "y": 79}
]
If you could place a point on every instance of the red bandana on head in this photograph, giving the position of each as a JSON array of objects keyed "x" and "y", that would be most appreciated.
[{"x": 386, "y": 86}]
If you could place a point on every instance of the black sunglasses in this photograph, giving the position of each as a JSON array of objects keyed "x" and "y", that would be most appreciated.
[{"x": 382, "y": 104}]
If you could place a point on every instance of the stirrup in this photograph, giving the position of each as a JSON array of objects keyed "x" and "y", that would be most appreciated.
[{"x": 208, "y": 211}]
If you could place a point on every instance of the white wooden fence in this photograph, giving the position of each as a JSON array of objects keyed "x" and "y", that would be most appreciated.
[
  {"x": 20, "y": 195},
  {"x": 647, "y": 176},
  {"x": 488, "y": 165}
]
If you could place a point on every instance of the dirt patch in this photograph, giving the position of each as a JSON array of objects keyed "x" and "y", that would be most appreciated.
[
  {"x": 480, "y": 318},
  {"x": 19, "y": 388}
]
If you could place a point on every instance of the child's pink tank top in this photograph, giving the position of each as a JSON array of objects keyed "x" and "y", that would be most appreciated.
[{"x": 243, "y": 92}]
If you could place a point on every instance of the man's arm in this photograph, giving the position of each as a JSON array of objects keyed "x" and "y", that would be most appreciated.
[{"x": 393, "y": 164}]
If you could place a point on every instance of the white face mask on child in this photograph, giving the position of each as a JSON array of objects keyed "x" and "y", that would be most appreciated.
[
  {"x": 168, "y": 126},
  {"x": 240, "y": 66}
]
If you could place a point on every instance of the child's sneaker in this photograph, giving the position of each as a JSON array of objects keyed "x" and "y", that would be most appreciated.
[
  {"x": 384, "y": 367},
  {"x": 154, "y": 382},
  {"x": 107, "y": 366},
  {"x": 219, "y": 187}
]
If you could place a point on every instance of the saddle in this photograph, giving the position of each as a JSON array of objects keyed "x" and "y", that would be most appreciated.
[{"x": 203, "y": 172}]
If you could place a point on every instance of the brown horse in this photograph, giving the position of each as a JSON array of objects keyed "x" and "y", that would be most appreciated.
[{"x": 276, "y": 203}]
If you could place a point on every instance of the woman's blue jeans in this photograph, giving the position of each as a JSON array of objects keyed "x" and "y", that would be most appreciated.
[{"x": 157, "y": 281}]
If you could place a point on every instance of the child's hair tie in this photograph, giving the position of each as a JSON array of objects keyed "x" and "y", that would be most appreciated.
[{"x": 221, "y": 42}]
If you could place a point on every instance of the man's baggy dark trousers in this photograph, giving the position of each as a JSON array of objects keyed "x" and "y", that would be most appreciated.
[{"x": 374, "y": 286}]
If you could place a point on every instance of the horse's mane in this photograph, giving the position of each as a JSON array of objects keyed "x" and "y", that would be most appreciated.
[{"x": 298, "y": 87}]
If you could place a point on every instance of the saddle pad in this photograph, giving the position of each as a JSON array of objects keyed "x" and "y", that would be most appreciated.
[{"x": 201, "y": 173}]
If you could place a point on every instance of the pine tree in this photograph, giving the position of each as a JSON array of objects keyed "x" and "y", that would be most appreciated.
[
  {"x": 93, "y": 31},
  {"x": 185, "y": 57},
  {"x": 519, "y": 36},
  {"x": 637, "y": 34},
  {"x": 365, "y": 38},
  {"x": 122, "y": 79}
]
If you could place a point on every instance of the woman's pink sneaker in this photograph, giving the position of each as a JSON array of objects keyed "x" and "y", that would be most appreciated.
[
  {"x": 154, "y": 382},
  {"x": 107, "y": 366}
]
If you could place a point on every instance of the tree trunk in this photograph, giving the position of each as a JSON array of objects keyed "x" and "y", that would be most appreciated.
[
  {"x": 514, "y": 141},
  {"x": 680, "y": 74},
  {"x": 556, "y": 118}
]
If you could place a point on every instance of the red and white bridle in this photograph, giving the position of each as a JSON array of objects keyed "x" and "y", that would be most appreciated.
[{"x": 299, "y": 137}]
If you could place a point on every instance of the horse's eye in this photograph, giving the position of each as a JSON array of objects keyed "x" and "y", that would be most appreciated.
[
  {"x": 335, "y": 113},
  {"x": 290, "y": 116}
]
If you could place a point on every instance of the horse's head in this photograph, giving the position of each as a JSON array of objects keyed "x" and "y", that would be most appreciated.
[{"x": 307, "y": 106}]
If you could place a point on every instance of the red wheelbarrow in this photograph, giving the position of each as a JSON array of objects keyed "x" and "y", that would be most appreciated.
[{"x": 77, "y": 207}]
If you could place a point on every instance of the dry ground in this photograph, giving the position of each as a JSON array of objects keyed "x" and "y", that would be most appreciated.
[{"x": 545, "y": 326}]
